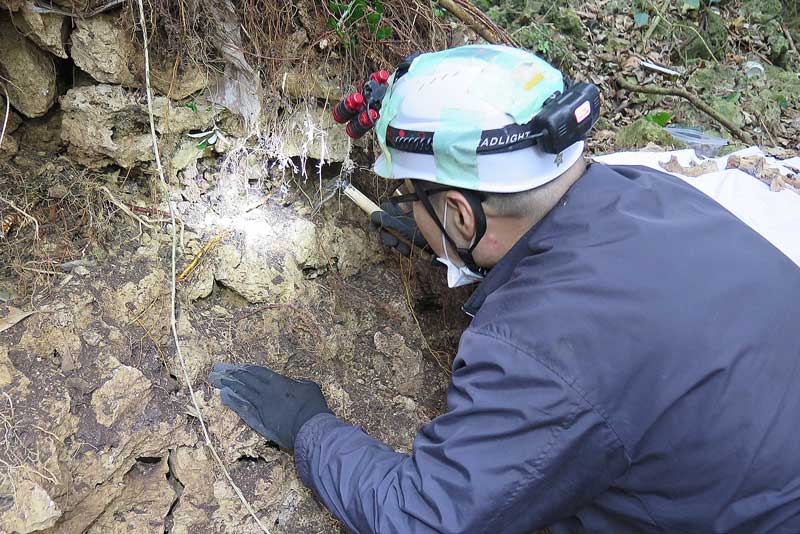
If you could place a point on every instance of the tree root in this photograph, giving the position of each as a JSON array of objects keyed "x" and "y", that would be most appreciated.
[{"x": 693, "y": 99}]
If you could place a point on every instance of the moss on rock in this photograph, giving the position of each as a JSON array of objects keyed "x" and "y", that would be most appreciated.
[{"x": 642, "y": 132}]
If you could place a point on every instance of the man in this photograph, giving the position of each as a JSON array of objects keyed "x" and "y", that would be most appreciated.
[{"x": 631, "y": 365}]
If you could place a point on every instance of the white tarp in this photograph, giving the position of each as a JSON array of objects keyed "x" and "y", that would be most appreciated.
[{"x": 774, "y": 215}]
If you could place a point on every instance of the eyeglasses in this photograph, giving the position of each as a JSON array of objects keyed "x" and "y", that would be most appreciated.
[{"x": 414, "y": 197}]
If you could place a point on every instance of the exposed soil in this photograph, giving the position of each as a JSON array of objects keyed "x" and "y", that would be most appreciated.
[{"x": 97, "y": 430}]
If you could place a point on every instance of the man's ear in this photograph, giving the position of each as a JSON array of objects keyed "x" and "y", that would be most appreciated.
[{"x": 461, "y": 221}]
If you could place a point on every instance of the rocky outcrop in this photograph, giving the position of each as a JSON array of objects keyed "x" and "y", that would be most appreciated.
[
  {"x": 106, "y": 124},
  {"x": 310, "y": 131},
  {"x": 146, "y": 488},
  {"x": 102, "y": 48},
  {"x": 106, "y": 49},
  {"x": 48, "y": 30},
  {"x": 30, "y": 71},
  {"x": 31, "y": 510}
]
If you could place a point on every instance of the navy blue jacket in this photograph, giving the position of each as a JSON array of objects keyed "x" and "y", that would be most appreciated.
[{"x": 633, "y": 365}]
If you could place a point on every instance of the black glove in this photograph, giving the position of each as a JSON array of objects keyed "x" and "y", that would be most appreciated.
[
  {"x": 401, "y": 223},
  {"x": 271, "y": 404}
]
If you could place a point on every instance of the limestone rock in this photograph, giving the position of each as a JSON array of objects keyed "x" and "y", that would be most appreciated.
[
  {"x": 105, "y": 48},
  {"x": 196, "y": 354},
  {"x": 186, "y": 154},
  {"x": 127, "y": 388},
  {"x": 14, "y": 120},
  {"x": 406, "y": 362},
  {"x": 30, "y": 71},
  {"x": 9, "y": 148},
  {"x": 99, "y": 477},
  {"x": 48, "y": 30},
  {"x": 143, "y": 504},
  {"x": 12, "y": 381},
  {"x": 101, "y": 47},
  {"x": 236, "y": 439},
  {"x": 195, "y": 471},
  {"x": 313, "y": 84},
  {"x": 106, "y": 124},
  {"x": 31, "y": 509},
  {"x": 266, "y": 266},
  {"x": 189, "y": 79},
  {"x": 311, "y": 132}
]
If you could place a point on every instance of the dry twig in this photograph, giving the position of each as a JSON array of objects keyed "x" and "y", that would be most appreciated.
[
  {"x": 124, "y": 208},
  {"x": 196, "y": 260},
  {"x": 790, "y": 39},
  {"x": 23, "y": 213},
  {"x": 173, "y": 307},
  {"x": 478, "y": 21},
  {"x": 693, "y": 99}
]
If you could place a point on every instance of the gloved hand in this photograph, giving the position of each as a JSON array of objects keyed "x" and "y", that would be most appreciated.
[
  {"x": 402, "y": 223},
  {"x": 271, "y": 404}
]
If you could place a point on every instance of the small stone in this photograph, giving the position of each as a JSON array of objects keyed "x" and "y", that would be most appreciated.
[
  {"x": 126, "y": 390},
  {"x": 80, "y": 270},
  {"x": 57, "y": 191}
]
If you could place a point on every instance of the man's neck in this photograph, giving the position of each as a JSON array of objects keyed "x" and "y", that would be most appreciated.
[{"x": 509, "y": 230}]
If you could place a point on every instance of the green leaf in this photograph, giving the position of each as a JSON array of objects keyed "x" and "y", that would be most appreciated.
[
  {"x": 337, "y": 8},
  {"x": 192, "y": 106},
  {"x": 377, "y": 6},
  {"x": 782, "y": 102},
  {"x": 202, "y": 145},
  {"x": 373, "y": 19},
  {"x": 640, "y": 18},
  {"x": 332, "y": 23},
  {"x": 691, "y": 4},
  {"x": 661, "y": 118},
  {"x": 355, "y": 15},
  {"x": 733, "y": 97},
  {"x": 384, "y": 32}
]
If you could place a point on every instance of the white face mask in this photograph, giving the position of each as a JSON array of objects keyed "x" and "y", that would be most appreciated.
[{"x": 456, "y": 276}]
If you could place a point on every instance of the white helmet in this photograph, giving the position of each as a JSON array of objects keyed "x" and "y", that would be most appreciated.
[{"x": 471, "y": 117}]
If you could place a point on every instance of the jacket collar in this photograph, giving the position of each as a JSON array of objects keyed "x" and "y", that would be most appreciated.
[
  {"x": 501, "y": 273},
  {"x": 526, "y": 246}
]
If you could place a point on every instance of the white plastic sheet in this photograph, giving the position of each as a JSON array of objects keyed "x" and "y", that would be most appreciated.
[{"x": 774, "y": 215}]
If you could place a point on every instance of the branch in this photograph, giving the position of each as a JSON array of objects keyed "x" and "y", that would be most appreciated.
[
  {"x": 23, "y": 213},
  {"x": 693, "y": 99},
  {"x": 473, "y": 17},
  {"x": 790, "y": 39}
]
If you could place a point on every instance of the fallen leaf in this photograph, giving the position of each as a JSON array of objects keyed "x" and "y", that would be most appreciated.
[{"x": 14, "y": 316}]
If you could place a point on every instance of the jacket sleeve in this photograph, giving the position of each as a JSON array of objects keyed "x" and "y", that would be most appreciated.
[{"x": 517, "y": 450}]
